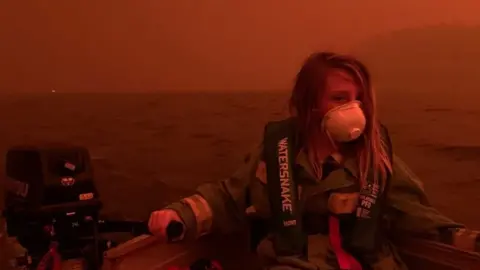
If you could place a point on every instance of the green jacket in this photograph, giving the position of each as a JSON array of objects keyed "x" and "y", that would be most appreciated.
[{"x": 224, "y": 207}]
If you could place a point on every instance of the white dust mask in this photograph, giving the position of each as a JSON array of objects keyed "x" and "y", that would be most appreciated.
[{"x": 344, "y": 123}]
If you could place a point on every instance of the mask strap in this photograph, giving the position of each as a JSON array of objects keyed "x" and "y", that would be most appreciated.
[
  {"x": 332, "y": 142},
  {"x": 324, "y": 130}
]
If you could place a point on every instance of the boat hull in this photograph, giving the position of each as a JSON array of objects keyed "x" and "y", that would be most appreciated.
[
  {"x": 233, "y": 253},
  {"x": 146, "y": 253}
]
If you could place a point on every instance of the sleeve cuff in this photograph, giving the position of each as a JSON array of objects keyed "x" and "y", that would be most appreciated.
[{"x": 188, "y": 218}]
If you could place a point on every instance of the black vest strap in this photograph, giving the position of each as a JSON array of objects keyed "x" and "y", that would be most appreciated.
[
  {"x": 279, "y": 155},
  {"x": 365, "y": 235}
]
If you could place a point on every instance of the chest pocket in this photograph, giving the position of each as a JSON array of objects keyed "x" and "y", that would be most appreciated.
[
  {"x": 337, "y": 193},
  {"x": 343, "y": 203}
]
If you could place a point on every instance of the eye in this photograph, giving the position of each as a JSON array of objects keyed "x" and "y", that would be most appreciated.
[{"x": 339, "y": 98}]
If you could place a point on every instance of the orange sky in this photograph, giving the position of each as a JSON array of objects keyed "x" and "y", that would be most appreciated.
[{"x": 125, "y": 45}]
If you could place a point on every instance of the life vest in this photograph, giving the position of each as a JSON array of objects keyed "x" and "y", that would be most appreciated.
[{"x": 289, "y": 237}]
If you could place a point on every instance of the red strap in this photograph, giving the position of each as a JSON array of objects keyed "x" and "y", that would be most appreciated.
[
  {"x": 52, "y": 257},
  {"x": 216, "y": 265},
  {"x": 56, "y": 260},
  {"x": 345, "y": 260}
]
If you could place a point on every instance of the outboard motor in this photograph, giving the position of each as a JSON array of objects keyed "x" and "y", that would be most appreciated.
[
  {"x": 52, "y": 212},
  {"x": 51, "y": 201}
]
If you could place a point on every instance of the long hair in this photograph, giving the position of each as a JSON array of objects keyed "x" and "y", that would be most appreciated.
[{"x": 310, "y": 84}]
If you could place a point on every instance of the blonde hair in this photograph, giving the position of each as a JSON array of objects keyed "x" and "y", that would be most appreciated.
[{"x": 372, "y": 151}]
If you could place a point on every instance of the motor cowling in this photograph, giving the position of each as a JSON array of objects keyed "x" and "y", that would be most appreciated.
[
  {"x": 50, "y": 195},
  {"x": 41, "y": 176}
]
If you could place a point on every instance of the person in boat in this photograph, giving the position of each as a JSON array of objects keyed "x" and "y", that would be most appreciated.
[{"x": 326, "y": 179}]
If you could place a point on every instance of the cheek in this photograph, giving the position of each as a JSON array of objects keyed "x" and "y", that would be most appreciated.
[
  {"x": 330, "y": 105},
  {"x": 326, "y": 105}
]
